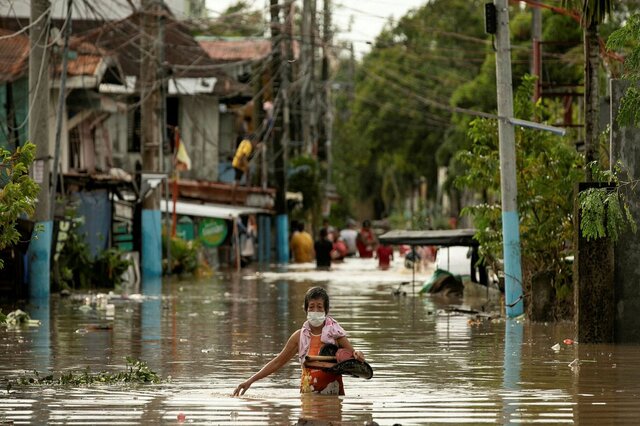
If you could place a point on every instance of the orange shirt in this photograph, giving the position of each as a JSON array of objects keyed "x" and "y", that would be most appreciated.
[{"x": 319, "y": 381}]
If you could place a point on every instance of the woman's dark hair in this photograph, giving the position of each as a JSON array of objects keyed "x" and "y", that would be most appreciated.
[{"x": 316, "y": 293}]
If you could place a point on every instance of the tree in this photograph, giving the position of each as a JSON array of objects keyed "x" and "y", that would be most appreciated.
[
  {"x": 548, "y": 167},
  {"x": 388, "y": 133},
  {"x": 593, "y": 13},
  {"x": 626, "y": 39},
  {"x": 238, "y": 20},
  {"x": 18, "y": 191}
]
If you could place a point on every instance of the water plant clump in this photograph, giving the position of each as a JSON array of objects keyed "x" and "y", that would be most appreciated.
[{"x": 137, "y": 372}]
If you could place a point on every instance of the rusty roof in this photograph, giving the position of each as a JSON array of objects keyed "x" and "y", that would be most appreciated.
[
  {"x": 230, "y": 50},
  {"x": 183, "y": 55},
  {"x": 240, "y": 49},
  {"x": 14, "y": 55}
]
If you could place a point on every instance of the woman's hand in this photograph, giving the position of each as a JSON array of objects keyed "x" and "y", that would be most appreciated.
[
  {"x": 358, "y": 355},
  {"x": 242, "y": 388}
]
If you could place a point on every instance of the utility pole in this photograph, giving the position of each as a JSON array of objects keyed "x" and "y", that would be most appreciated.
[
  {"x": 279, "y": 147},
  {"x": 40, "y": 246},
  {"x": 150, "y": 125},
  {"x": 305, "y": 70},
  {"x": 61, "y": 107},
  {"x": 327, "y": 41},
  {"x": 508, "y": 182}
]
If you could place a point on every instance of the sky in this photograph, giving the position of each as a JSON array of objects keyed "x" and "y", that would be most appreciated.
[{"x": 359, "y": 21}]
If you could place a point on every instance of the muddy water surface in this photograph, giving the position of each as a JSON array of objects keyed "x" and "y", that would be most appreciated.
[{"x": 207, "y": 336}]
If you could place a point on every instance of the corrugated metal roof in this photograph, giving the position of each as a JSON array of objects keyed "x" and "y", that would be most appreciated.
[
  {"x": 183, "y": 54},
  {"x": 236, "y": 50},
  {"x": 14, "y": 55},
  {"x": 221, "y": 211}
]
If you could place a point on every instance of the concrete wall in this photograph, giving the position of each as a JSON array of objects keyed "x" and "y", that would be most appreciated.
[
  {"x": 199, "y": 129},
  {"x": 625, "y": 147}
]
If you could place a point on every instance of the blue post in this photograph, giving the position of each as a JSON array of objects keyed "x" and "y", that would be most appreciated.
[
  {"x": 39, "y": 259},
  {"x": 151, "y": 245},
  {"x": 282, "y": 238},
  {"x": 508, "y": 173},
  {"x": 512, "y": 267}
]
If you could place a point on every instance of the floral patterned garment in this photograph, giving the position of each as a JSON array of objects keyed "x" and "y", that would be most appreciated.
[{"x": 319, "y": 381}]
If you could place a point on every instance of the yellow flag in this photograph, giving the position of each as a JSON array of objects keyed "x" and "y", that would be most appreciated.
[{"x": 183, "y": 162}]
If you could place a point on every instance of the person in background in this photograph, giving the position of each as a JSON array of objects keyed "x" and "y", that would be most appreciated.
[
  {"x": 340, "y": 250},
  {"x": 384, "y": 254},
  {"x": 323, "y": 248},
  {"x": 302, "y": 245},
  {"x": 241, "y": 159},
  {"x": 349, "y": 236},
  {"x": 366, "y": 241},
  {"x": 319, "y": 329}
]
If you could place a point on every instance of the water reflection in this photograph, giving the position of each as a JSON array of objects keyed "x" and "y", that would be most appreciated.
[{"x": 431, "y": 365}]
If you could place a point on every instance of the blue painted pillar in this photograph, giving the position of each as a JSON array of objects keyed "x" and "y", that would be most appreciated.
[
  {"x": 151, "y": 245},
  {"x": 511, "y": 372},
  {"x": 512, "y": 267},
  {"x": 39, "y": 260},
  {"x": 282, "y": 238}
]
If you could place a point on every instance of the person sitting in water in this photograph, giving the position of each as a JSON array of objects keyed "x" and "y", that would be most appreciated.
[{"x": 319, "y": 329}]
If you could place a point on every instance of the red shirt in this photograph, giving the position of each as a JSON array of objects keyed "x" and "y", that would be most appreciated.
[{"x": 384, "y": 255}]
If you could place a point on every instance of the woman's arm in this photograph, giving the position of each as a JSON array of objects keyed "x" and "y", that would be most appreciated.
[
  {"x": 344, "y": 343},
  {"x": 289, "y": 350}
]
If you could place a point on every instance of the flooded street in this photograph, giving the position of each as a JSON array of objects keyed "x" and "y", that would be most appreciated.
[{"x": 430, "y": 365}]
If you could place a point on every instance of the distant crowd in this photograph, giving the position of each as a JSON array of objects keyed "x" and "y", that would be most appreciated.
[{"x": 333, "y": 245}]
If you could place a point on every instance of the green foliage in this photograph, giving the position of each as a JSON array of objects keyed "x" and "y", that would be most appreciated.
[
  {"x": 184, "y": 256},
  {"x": 625, "y": 39},
  {"x": 592, "y": 11},
  {"x": 388, "y": 131},
  {"x": 547, "y": 168},
  {"x": 137, "y": 372},
  {"x": 239, "y": 20},
  {"x": 75, "y": 268},
  {"x": 605, "y": 211},
  {"x": 18, "y": 193}
]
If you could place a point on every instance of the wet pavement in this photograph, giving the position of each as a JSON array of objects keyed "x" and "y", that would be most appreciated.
[{"x": 430, "y": 365}]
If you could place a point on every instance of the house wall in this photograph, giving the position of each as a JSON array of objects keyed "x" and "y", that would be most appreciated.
[
  {"x": 116, "y": 126},
  {"x": 20, "y": 90},
  {"x": 199, "y": 130}
]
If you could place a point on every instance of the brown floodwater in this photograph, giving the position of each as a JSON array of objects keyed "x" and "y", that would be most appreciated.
[{"x": 204, "y": 337}]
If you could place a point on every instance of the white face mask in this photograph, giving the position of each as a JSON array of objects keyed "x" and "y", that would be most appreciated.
[{"x": 315, "y": 318}]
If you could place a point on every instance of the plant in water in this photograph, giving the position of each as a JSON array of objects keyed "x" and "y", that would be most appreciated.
[
  {"x": 136, "y": 372},
  {"x": 18, "y": 192},
  {"x": 605, "y": 211}
]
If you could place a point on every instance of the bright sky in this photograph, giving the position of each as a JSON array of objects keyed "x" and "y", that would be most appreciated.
[{"x": 357, "y": 20}]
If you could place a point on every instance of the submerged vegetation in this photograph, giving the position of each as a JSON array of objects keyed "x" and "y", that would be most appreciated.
[{"x": 137, "y": 372}]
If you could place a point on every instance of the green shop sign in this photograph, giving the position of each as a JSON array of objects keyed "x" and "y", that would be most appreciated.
[{"x": 212, "y": 231}]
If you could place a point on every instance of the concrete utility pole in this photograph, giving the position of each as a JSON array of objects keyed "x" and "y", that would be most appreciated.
[
  {"x": 508, "y": 182},
  {"x": 40, "y": 246},
  {"x": 306, "y": 53},
  {"x": 150, "y": 126},
  {"x": 279, "y": 148},
  {"x": 327, "y": 41}
]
